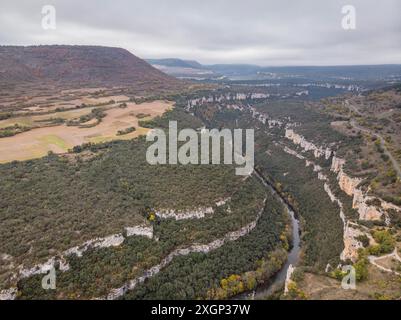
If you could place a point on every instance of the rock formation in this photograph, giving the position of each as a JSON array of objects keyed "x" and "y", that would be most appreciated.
[
  {"x": 306, "y": 145},
  {"x": 361, "y": 201},
  {"x": 203, "y": 248},
  {"x": 288, "y": 280},
  {"x": 198, "y": 213}
]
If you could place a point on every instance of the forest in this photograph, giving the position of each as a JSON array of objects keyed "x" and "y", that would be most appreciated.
[
  {"x": 51, "y": 204},
  {"x": 320, "y": 220}
]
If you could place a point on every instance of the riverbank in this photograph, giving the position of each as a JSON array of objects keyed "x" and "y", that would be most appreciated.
[{"x": 276, "y": 283}]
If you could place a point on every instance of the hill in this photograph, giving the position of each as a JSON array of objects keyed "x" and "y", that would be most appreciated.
[{"x": 78, "y": 65}]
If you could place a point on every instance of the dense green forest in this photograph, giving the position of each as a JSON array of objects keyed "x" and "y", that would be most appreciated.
[
  {"x": 102, "y": 269},
  {"x": 320, "y": 220},
  {"x": 191, "y": 277},
  {"x": 97, "y": 190},
  {"x": 56, "y": 202}
]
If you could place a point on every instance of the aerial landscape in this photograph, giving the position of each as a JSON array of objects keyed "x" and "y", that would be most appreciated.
[{"x": 315, "y": 114}]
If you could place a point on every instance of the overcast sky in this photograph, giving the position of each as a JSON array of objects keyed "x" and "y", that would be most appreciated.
[{"x": 280, "y": 32}]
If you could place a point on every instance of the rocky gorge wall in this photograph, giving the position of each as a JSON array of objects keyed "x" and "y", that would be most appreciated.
[
  {"x": 114, "y": 240},
  {"x": 361, "y": 201},
  {"x": 194, "y": 248}
]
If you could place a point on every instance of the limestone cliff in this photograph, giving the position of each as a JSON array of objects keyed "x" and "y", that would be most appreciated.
[
  {"x": 288, "y": 279},
  {"x": 346, "y": 183},
  {"x": 197, "y": 213},
  {"x": 361, "y": 201},
  {"x": 308, "y": 146},
  {"x": 113, "y": 240},
  {"x": 204, "y": 248}
]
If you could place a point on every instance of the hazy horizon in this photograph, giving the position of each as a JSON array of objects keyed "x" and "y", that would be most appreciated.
[{"x": 265, "y": 33}]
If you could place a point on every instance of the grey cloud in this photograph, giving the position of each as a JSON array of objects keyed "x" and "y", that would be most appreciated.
[{"x": 220, "y": 31}]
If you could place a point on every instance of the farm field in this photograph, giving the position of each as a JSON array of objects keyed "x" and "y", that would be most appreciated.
[{"x": 37, "y": 142}]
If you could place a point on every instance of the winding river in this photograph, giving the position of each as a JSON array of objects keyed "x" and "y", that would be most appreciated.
[{"x": 278, "y": 280}]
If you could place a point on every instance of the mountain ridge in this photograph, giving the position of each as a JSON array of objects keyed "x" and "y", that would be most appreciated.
[{"x": 75, "y": 64}]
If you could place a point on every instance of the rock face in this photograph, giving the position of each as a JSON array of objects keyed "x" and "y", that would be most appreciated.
[
  {"x": 198, "y": 213},
  {"x": 226, "y": 97},
  {"x": 114, "y": 240},
  {"x": 288, "y": 280},
  {"x": 306, "y": 145},
  {"x": 8, "y": 294},
  {"x": 347, "y": 184},
  {"x": 78, "y": 65},
  {"x": 144, "y": 231},
  {"x": 336, "y": 164},
  {"x": 293, "y": 153},
  {"x": 204, "y": 248},
  {"x": 351, "y": 244},
  {"x": 109, "y": 241},
  {"x": 361, "y": 201},
  {"x": 222, "y": 202}
]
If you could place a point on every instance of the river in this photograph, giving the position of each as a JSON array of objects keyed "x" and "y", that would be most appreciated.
[{"x": 278, "y": 280}]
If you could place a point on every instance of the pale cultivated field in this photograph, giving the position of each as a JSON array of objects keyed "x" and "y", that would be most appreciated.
[
  {"x": 51, "y": 105},
  {"x": 33, "y": 120},
  {"x": 38, "y": 142}
]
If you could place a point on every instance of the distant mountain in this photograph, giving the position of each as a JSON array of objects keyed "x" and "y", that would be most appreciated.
[
  {"x": 79, "y": 65},
  {"x": 359, "y": 72},
  {"x": 173, "y": 62},
  {"x": 193, "y": 69},
  {"x": 179, "y": 68}
]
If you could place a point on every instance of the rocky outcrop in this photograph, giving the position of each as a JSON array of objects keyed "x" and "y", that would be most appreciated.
[
  {"x": 288, "y": 279},
  {"x": 264, "y": 118},
  {"x": 350, "y": 234},
  {"x": 316, "y": 168},
  {"x": 114, "y": 240},
  {"x": 274, "y": 123},
  {"x": 142, "y": 230},
  {"x": 361, "y": 201},
  {"x": 109, "y": 241},
  {"x": 198, "y": 213},
  {"x": 293, "y": 153},
  {"x": 44, "y": 267},
  {"x": 226, "y": 97},
  {"x": 336, "y": 164},
  {"x": 222, "y": 202},
  {"x": 8, "y": 294},
  {"x": 306, "y": 145},
  {"x": 351, "y": 244},
  {"x": 366, "y": 211},
  {"x": 346, "y": 183}
]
